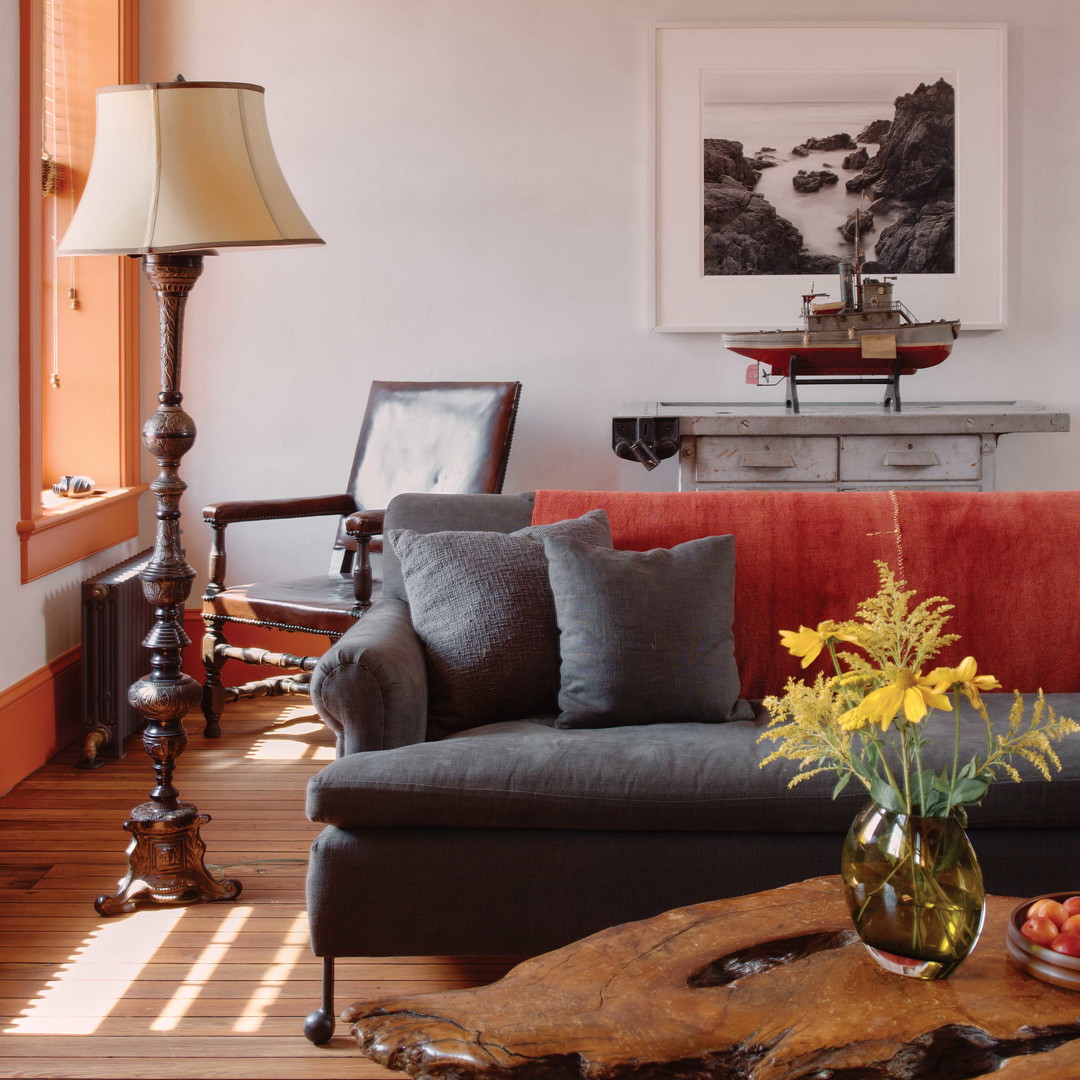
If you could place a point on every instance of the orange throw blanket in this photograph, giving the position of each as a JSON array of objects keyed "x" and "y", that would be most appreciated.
[{"x": 1008, "y": 561}]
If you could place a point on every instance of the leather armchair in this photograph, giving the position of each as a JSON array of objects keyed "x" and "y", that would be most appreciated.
[{"x": 442, "y": 437}]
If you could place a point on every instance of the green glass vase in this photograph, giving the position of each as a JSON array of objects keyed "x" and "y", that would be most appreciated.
[{"x": 915, "y": 891}]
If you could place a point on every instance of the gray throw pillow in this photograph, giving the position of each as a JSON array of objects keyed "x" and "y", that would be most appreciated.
[
  {"x": 646, "y": 636},
  {"x": 482, "y": 606}
]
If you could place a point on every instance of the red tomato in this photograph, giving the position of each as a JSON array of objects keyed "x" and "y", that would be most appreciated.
[
  {"x": 1048, "y": 909},
  {"x": 1072, "y": 905},
  {"x": 1071, "y": 925},
  {"x": 1040, "y": 930},
  {"x": 1068, "y": 944}
]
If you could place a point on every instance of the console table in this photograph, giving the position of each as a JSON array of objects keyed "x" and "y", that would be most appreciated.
[{"x": 827, "y": 447}]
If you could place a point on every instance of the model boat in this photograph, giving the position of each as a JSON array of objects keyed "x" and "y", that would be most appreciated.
[{"x": 865, "y": 332}]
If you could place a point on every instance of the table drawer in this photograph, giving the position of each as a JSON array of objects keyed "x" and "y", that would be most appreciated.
[
  {"x": 906, "y": 458},
  {"x": 765, "y": 460}
]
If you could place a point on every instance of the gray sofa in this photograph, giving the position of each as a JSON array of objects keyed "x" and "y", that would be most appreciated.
[{"x": 518, "y": 836}]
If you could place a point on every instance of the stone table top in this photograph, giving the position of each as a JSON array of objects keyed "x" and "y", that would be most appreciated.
[{"x": 939, "y": 417}]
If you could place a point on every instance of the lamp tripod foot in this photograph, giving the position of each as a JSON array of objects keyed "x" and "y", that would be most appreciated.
[{"x": 165, "y": 862}]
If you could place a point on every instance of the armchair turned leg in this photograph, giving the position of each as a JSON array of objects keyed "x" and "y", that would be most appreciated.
[
  {"x": 213, "y": 698},
  {"x": 361, "y": 574},
  {"x": 319, "y": 1025}
]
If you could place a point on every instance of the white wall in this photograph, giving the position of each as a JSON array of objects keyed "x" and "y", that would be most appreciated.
[
  {"x": 40, "y": 620},
  {"x": 479, "y": 171}
]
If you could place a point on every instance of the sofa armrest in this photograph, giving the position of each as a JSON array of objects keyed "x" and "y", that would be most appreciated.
[{"x": 371, "y": 687}]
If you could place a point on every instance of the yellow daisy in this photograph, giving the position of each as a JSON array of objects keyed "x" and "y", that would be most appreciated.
[
  {"x": 965, "y": 680},
  {"x": 808, "y": 643},
  {"x": 908, "y": 690}
]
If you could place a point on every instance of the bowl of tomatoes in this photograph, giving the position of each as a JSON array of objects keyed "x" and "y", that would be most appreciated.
[{"x": 1043, "y": 937}]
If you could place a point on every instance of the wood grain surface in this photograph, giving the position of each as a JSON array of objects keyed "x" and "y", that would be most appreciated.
[{"x": 773, "y": 986}]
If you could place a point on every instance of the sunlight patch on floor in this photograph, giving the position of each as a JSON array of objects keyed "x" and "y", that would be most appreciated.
[
  {"x": 279, "y": 746},
  {"x": 297, "y": 712},
  {"x": 271, "y": 984},
  {"x": 62, "y": 1006},
  {"x": 202, "y": 969}
]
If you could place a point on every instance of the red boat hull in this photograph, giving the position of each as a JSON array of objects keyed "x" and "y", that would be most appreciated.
[{"x": 842, "y": 360}]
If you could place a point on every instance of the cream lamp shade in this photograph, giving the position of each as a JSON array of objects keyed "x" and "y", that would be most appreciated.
[{"x": 184, "y": 166}]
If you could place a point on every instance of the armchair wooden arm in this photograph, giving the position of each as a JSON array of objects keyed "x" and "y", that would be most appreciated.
[
  {"x": 228, "y": 513},
  {"x": 222, "y": 514}
]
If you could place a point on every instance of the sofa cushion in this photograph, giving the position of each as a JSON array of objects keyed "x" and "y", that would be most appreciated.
[
  {"x": 681, "y": 777},
  {"x": 429, "y": 512},
  {"x": 645, "y": 636},
  {"x": 482, "y": 606}
]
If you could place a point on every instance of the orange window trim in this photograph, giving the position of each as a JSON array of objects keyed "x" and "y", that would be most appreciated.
[{"x": 107, "y": 53}]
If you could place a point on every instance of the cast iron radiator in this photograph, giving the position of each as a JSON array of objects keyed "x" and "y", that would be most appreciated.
[{"x": 116, "y": 616}]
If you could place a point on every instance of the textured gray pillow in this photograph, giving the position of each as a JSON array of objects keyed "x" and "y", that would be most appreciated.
[
  {"x": 646, "y": 636},
  {"x": 482, "y": 606}
]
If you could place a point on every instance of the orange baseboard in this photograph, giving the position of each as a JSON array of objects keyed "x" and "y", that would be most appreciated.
[
  {"x": 43, "y": 713},
  {"x": 39, "y": 716}
]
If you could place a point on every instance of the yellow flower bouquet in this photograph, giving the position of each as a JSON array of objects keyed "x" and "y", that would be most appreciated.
[
  {"x": 869, "y": 719},
  {"x": 911, "y": 878}
]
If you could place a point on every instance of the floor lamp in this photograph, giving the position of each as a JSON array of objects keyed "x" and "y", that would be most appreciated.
[{"x": 180, "y": 171}]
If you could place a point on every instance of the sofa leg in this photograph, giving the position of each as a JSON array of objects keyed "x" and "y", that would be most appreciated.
[{"x": 319, "y": 1025}]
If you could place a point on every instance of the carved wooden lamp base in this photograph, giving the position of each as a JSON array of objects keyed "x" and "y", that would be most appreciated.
[
  {"x": 165, "y": 855},
  {"x": 165, "y": 860}
]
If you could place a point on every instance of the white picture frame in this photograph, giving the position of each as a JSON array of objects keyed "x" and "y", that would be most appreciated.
[{"x": 687, "y": 300}]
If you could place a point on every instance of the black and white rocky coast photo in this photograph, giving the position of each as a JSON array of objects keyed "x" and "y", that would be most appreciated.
[{"x": 784, "y": 179}]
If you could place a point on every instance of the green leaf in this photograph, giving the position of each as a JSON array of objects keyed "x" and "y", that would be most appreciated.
[
  {"x": 841, "y": 784},
  {"x": 884, "y": 794},
  {"x": 861, "y": 769},
  {"x": 941, "y": 783},
  {"x": 968, "y": 792},
  {"x": 937, "y": 802},
  {"x": 923, "y": 781}
]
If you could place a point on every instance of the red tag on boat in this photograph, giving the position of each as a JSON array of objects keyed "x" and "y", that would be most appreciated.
[{"x": 752, "y": 374}]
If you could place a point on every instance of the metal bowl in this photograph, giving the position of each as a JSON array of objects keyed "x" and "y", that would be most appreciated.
[{"x": 1038, "y": 960}]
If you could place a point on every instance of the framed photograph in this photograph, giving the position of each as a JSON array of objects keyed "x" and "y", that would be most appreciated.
[{"x": 780, "y": 148}]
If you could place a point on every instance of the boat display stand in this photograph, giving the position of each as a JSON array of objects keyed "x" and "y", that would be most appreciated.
[{"x": 890, "y": 381}]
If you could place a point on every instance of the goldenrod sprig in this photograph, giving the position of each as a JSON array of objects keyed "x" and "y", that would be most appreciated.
[{"x": 868, "y": 720}]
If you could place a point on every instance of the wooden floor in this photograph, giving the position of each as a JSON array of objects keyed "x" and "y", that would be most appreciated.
[{"x": 211, "y": 990}]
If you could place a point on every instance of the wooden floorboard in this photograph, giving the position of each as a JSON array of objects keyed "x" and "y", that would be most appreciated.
[{"x": 211, "y": 990}]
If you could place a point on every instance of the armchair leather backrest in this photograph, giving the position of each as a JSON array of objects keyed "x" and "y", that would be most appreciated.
[{"x": 432, "y": 437}]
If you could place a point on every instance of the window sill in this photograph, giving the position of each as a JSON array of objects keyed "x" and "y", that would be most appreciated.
[{"x": 76, "y": 529}]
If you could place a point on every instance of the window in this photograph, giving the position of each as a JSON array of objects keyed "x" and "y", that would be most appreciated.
[{"x": 79, "y": 355}]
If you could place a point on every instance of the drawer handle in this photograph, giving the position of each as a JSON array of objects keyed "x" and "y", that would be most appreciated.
[
  {"x": 767, "y": 459},
  {"x": 912, "y": 457}
]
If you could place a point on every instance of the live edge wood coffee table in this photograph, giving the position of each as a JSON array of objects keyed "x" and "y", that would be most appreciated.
[{"x": 772, "y": 986}]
